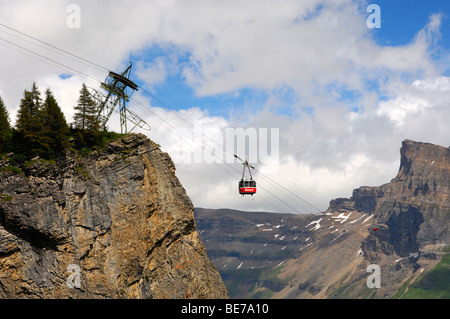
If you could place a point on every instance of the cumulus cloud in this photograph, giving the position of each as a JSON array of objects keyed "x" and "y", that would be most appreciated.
[
  {"x": 342, "y": 102},
  {"x": 418, "y": 99}
]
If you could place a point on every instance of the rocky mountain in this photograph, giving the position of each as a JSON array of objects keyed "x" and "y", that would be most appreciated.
[
  {"x": 401, "y": 227},
  {"x": 112, "y": 223},
  {"x": 248, "y": 248}
]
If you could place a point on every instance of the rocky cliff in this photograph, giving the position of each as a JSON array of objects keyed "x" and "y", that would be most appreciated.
[
  {"x": 413, "y": 209},
  {"x": 114, "y": 223},
  {"x": 401, "y": 226}
]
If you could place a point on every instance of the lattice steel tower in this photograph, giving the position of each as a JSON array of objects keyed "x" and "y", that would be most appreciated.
[{"x": 119, "y": 89}]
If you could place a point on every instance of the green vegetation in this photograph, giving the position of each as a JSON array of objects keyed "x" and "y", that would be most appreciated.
[
  {"x": 10, "y": 169},
  {"x": 86, "y": 125},
  {"x": 263, "y": 294},
  {"x": 402, "y": 289},
  {"x": 5, "y": 128},
  {"x": 42, "y": 130},
  {"x": 435, "y": 284},
  {"x": 80, "y": 169},
  {"x": 240, "y": 276},
  {"x": 5, "y": 198},
  {"x": 261, "y": 283}
]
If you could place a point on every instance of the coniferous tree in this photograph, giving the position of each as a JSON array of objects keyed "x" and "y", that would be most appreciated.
[
  {"x": 85, "y": 117},
  {"x": 27, "y": 116},
  {"x": 5, "y": 127},
  {"x": 54, "y": 125},
  {"x": 28, "y": 140},
  {"x": 85, "y": 120}
]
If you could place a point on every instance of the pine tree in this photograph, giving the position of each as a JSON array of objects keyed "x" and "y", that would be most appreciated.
[
  {"x": 54, "y": 125},
  {"x": 85, "y": 120},
  {"x": 5, "y": 127},
  {"x": 27, "y": 116},
  {"x": 86, "y": 112},
  {"x": 28, "y": 139}
]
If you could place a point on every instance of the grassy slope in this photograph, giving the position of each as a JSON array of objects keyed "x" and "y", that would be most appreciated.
[{"x": 434, "y": 284}]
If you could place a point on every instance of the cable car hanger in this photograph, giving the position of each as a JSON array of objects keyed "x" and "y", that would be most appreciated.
[{"x": 246, "y": 186}]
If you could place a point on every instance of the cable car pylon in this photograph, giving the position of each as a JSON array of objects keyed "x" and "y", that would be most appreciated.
[
  {"x": 247, "y": 186},
  {"x": 119, "y": 89}
]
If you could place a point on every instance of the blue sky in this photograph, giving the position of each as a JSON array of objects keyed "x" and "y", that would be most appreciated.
[
  {"x": 343, "y": 96},
  {"x": 401, "y": 21}
]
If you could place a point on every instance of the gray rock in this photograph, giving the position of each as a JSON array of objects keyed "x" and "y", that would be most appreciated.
[{"x": 120, "y": 214}]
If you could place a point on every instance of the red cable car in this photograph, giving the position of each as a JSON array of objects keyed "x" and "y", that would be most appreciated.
[{"x": 246, "y": 186}]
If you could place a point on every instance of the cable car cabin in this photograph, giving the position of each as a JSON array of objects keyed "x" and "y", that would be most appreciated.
[{"x": 247, "y": 187}]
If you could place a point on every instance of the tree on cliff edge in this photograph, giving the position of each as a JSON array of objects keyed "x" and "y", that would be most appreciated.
[
  {"x": 86, "y": 124},
  {"x": 5, "y": 127},
  {"x": 55, "y": 129},
  {"x": 28, "y": 137},
  {"x": 85, "y": 117},
  {"x": 41, "y": 128}
]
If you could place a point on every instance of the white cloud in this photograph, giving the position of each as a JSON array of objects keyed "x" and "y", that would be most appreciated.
[
  {"x": 152, "y": 73},
  {"x": 420, "y": 98},
  {"x": 319, "y": 50}
]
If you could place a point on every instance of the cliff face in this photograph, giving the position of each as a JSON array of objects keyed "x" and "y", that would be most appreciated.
[
  {"x": 413, "y": 211},
  {"x": 118, "y": 219},
  {"x": 326, "y": 255}
]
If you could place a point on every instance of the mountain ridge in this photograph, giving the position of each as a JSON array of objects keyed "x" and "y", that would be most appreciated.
[{"x": 402, "y": 226}]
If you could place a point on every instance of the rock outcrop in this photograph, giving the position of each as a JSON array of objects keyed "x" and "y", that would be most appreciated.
[
  {"x": 413, "y": 211},
  {"x": 401, "y": 226},
  {"x": 115, "y": 223}
]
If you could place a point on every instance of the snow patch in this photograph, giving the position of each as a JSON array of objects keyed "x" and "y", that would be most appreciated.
[
  {"x": 342, "y": 216},
  {"x": 365, "y": 220},
  {"x": 413, "y": 255},
  {"x": 354, "y": 221},
  {"x": 306, "y": 246},
  {"x": 317, "y": 224}
]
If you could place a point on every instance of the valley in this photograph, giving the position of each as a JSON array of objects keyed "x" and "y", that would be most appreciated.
[{"x": 401, "y": 227}]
